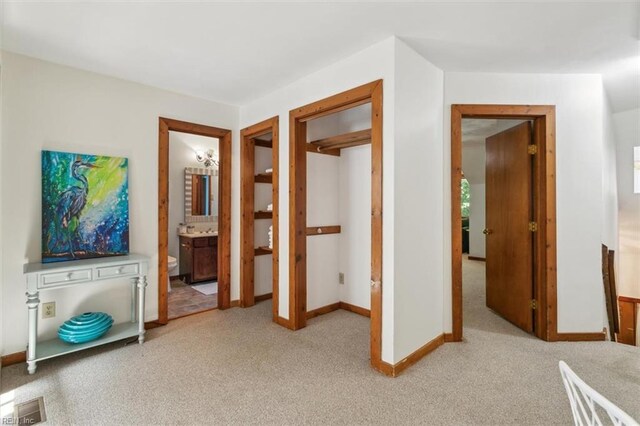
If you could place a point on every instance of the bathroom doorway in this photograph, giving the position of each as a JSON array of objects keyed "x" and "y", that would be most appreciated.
[{"x": 193, "y": 219}]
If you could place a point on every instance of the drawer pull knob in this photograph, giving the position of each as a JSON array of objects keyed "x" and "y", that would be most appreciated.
[{"x": 69, "y": 276}]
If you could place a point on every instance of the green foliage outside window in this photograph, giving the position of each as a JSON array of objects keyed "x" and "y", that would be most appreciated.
[{"x": 465, "y": 188}]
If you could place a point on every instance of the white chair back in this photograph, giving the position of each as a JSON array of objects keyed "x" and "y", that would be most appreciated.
[{"x": 586, "y": 402}]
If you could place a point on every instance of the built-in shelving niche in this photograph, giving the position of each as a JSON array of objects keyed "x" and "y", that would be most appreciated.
[{"x": 259, "y": 152}]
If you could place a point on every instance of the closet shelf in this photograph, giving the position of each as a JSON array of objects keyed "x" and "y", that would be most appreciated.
[
  {"x": 347, "y": 140},
  {"x": 263, "y": 143},
  {"x": 262, "y": 214},
  {"x": 264, "y": 178},
  {"x": 262, "y": 251}
]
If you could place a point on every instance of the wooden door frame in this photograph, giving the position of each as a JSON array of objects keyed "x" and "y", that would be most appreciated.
[
  {"x": 224, "y": 209},
  {"x": 247, "y": 183},
  {"x": 544, "y": 206},
  {"x": 367, "y": 93}
]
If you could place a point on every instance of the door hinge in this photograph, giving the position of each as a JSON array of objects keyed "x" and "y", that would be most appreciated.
[
  {"x": 533, "y": 304},
  {"x": 532, "y": 149},
  {"x": 533, "y": 226}
]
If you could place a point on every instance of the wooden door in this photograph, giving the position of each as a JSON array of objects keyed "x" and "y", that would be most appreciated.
[
  {"x": 628, "y": 320},
  {"x": 509, "y": 242}
]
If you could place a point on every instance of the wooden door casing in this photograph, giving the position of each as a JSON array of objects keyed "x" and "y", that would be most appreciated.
[
  {"x": 509, "y": 242},
  {"x": 544, "y": 212}
]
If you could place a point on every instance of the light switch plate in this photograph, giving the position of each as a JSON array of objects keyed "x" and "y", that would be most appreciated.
[{"x": 49, "y": 310}]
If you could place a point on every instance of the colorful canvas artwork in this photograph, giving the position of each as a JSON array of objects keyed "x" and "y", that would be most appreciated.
[{"x": 85, "y": 206}]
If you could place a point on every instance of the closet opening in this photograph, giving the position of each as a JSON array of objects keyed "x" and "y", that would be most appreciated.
[
  {"x": 335, "y": 210},
  {"x": 259, "y": 178},
  {"x": 194, "y": 218}
]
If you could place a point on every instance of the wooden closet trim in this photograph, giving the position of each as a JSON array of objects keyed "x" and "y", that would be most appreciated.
[
  {"x": 367, "y": 93},
  {"x": 249, "y": 139},
  {"x": 224, "y": 209},
  {"x": 545, "y": 279}
]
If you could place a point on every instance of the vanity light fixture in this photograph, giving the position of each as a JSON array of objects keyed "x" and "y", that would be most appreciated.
[{"x": 208, "y": 158}]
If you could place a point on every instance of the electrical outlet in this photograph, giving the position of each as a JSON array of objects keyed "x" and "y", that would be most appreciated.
[
  {"x": 341, "y": 277},
  {"x": 49, "y": 310}
]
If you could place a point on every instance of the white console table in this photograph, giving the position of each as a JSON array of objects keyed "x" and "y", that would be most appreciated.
[{"x": 47, "y": 276}]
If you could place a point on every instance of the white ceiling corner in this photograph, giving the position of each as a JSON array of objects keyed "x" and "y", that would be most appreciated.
[{"x": 237, "y": 52}]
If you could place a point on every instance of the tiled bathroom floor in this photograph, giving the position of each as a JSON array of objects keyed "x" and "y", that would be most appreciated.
[{"x": 184, "y": 300}]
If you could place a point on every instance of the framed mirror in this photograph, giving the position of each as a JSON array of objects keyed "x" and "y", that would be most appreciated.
[{"x": 200, "y": 194}]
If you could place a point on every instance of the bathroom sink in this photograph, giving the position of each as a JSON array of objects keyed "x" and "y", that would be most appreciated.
[{"x": 199, "y": 234}]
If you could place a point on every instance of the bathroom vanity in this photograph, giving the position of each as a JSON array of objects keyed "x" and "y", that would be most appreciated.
[
  {"x": 198, "y": 247},
  {"x": 199, "y": 257}
]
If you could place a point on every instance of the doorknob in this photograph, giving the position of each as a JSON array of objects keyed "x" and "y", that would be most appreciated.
[{"x": 487, "y": 231}]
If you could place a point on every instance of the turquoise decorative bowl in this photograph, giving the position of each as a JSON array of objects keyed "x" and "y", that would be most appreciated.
[{"x": 85, "y": 327}]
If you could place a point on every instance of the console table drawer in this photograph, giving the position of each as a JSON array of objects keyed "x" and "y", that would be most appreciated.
[
  {"x": 117, "y": 271},
  {"x": 64, "y": 278}
]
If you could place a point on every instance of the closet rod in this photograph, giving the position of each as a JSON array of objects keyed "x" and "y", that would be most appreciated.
[{"x": 318, "y": 150}]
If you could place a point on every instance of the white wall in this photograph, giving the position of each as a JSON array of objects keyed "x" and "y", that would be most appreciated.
[
  {"x": 609, "y": 188},
  {"x": 339, "y": 193},
  {"x": 1, "y": 205},
  {"x": 579, "y": 152},
  {"x": 47, "y": 106},
  {"x": 182, "y": 148},
  {"x": 354, "y": 191},
  {"x": 412, "y": 158},
  {"x": 609, "y": 180},
  {"x": 418, "y": 198},
  {"x": 322, "y": 210},
  {"x": 477, "y": 215},
  {"x": 375, "y": 62},
  {"x": 627, "y": 130}
]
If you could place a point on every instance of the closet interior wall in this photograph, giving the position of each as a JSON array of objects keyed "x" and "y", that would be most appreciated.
[{"x": 339, "y": 193}]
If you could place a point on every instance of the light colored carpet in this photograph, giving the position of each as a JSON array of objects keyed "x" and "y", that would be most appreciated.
[
  {"x": 237, "y": 367},
  {"x": 207, "y": 289}
]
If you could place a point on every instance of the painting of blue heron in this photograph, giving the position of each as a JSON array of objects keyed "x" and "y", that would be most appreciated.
[{"x": 85, "y": 206}]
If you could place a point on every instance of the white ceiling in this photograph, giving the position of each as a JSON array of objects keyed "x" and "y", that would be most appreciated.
[
  {"x": 476, "y": 130},
  {"x": 236, "y": 52}
]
